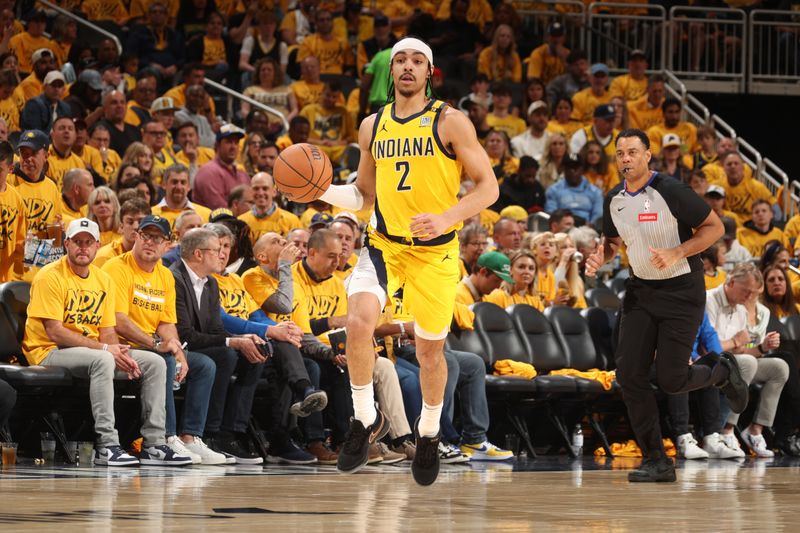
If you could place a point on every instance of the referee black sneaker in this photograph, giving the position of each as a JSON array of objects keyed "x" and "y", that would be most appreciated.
[
  {"x": 654, "y": 471},
  {"x": 355, "y": 451},
  {"x": 734, "y": 388},
  {"x": 425, "y": 466}
]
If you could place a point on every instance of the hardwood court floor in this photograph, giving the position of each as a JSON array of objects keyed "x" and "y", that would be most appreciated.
[{"x": 549, "y": 494}]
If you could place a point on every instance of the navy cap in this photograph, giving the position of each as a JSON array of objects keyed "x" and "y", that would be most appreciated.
[
  {"x": 33, "y": 139},
  {"x": 556, "y": 29},
  {"x": 229, "y": 130},
  {"x": 157, "y": 222},
  {"x": 322, "y": 220},
  {"x": 605, "y": 111}
]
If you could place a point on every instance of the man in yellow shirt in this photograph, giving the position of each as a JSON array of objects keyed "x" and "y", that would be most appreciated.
[
  {"x": 176, "y": 200},
  {"x": 756, "y": 233},
  {"x": 24, "y": 44},
  {"x": 191, "y": 154},
  {"x": 77, "y": 185},
  {"x": 739, "y": 192},
  {"x": 686, "y": 132},
  {"x": 42, "y": 61},
  {"x": 646, "y": 111},
  {"x": 270, "y": 283},
  {"x": 501, "y": 118},
  {"x": 491, "y": 269},
  {"x": 308, "y": 89},
  {"x": 12, "y": 220},
  {"x": 332, "y": 127},
  {"x": 70, "y": 324},
  {"x": 715, "y": 173},
  {"x": 60, "y": 158},
  {"x": 265, "y": 216},
  {"x": 586, "y": 100},
  {"x": 548, "y": 61},
  {"x": 193, "y": 74},
  {"x": 633, "y": 85},
  {"x": 131, "y": 213},
  {"x": 335, "y": 56}
]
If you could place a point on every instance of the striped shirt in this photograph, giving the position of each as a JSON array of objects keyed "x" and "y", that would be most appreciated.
[{"x": 661, "y": 214}]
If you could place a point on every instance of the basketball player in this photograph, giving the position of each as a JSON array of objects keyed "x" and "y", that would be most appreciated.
[
  {"x": 412, "y": 152},
  {"x": 665, "y": 226}
]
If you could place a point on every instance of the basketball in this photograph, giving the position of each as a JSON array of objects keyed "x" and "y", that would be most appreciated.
[{"x": 303, "y": 172}]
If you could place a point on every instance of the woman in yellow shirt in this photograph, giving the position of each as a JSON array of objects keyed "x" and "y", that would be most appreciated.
[
  {"x": 598, "y": 171},
  {"x": 104, "y": 209},
  {"x": 777, "y": 295},
  {"x": 523, "y": 290},
  {"x": 543, "y": 247},
  {"x": 562, "y": 120},
  {"x": 497, "y": 147},
  {"x": 713, "y": 257},
  {"x": 500, "y": 61},
  {"x": 551, "y": 168},
  {"x": 568, "y": 275}
]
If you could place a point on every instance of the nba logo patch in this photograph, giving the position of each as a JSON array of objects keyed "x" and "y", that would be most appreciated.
[
  {"x": 424, "y": 121},
  {"x": 647, "y": 205}
]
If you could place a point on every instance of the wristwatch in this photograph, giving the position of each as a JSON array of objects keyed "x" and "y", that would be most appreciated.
[{"x": 156, "y": 341}]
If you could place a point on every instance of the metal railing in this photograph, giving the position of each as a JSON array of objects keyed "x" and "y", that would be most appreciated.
[
  {"x": 708, "y": 43},
  {"x": 83, "y": 22},
  {"x": 538, "y": 14},
  {"x": 613, "y": 34},
  {"x": 773, "y": 65},
  {"x": 231, "y": 95}
]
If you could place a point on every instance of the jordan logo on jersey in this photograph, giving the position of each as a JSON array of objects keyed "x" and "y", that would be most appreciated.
[{"x": 383, "y": 127}]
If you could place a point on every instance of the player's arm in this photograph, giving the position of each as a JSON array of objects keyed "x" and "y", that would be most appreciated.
[
  {"x": 355, "y": 196},
  {"x": 458, "y": 133}
]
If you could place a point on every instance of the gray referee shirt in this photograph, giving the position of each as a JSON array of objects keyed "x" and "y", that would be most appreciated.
[{"x": 662, "y": 214}]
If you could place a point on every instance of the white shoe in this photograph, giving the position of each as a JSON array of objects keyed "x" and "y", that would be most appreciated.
[
  {"x": 177, "y": 446},
  {"x": 718, "y": 450},
  {"x": 206, "y": 454},
  {"x": 757, "y": 444},
  {"x": 688, "y": 448},
  {"x": 451, "y": 454},
  {"x": 730, "y": 441}
]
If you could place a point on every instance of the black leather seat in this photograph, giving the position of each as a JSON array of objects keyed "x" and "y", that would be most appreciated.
[
  {"x": 541, "y": 343},
  {"x": 791, "y": 325},
  {"x": 616, "y": 284},
  {"x": 601, "y": 324},
  {"x": 602, "y": 296}
]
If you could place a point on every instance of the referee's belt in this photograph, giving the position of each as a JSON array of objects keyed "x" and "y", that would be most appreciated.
[{"x": 441, "y": 239}]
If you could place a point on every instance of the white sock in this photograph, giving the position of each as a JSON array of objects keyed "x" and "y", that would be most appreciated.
[
  {"x": 429, "y": 420},
  {"x": 364, "y": 403}
]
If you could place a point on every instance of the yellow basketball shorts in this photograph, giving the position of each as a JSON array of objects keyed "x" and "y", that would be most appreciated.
[{"x": 428, "y": 276}]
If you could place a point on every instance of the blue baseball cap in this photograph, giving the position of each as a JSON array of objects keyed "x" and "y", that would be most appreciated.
[
  {"x": 34, "y": 139},
  {"x": 157, "y": 222},
  {"x": 599, "y": 67}
]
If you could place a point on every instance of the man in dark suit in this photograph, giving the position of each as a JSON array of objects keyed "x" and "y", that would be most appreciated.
[{"x": 200, "y": 326}]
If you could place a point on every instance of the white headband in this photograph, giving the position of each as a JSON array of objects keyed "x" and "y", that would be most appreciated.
[{"x": 410, "y": 43}]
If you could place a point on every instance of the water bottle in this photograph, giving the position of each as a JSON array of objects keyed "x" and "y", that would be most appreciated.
[
  {"x": 577, "y": 440},
  {"x": 176, "y": 385}
]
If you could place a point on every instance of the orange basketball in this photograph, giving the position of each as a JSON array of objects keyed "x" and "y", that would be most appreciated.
[{"x": 303, "y": 172}]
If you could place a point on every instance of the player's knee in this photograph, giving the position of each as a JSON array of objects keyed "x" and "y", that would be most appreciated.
[{"x": 358, "y": 327}]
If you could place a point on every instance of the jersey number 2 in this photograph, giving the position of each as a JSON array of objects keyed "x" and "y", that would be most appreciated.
[{"x": 405, "y": 168}]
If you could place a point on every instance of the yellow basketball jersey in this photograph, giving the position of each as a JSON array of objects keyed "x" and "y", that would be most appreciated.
[{"x": 415, "y": 173}]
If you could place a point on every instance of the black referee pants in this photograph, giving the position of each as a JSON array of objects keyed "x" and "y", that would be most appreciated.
[{"x": 660, "y": 320}]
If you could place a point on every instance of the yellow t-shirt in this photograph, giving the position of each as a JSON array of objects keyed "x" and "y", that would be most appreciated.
[
  {"x": 234, "y": 298},
  {"x": 161, "y": 162},
  {"x": 308, "y": 93},
  {"x": 333, "y": 54},
  {"x": 506, "y": 72},
  {"x": 644, "y": 116},
  {"x": 91, "y": 158},
  {"x": 712, "y": 282},
  {"x": 510, "y": 166},
  {"x": 739, "y": 198},
  {"x": 543, "y": 65},
  {"x": 546, "y": 286},
  {"x": 9, "y": 111},
  {"x": 755, "y": 241},
  {"x": 584, "y": 102},
  {"x": 148, "y": 298},
  {"x": 715, "y": 174},
  {"x": 68, "y": 214},
  {"x": 280, "y": 222},
  {"x": 604, "y": 182},
  {"x": 463, "y": 294},
  {"x": 28, "y": 89},
  {"x": 131, "y": 117},
  {"x": 330, "y": 124},
  {"x": 684, "y": 130},
  {"x": 172, "y": 214},
  {"x": 110, "y": 167},
  {"x": 628, "y": 88},
  {"x": 509, "y": 124},
  {"x": 24, "y": 45},
  {"x": 503, "y": 299},
  {"x": 261, "y": 286},
  {"x": 415, "y": 174},
  {"x": 488, "y": 220},
  {"x": 401, "y": 9},
  {"x": 108, "y": 251},
  {"x": 479, "y": 12},
  {"x": 570, "y": 127},
  {"x": 42, "y": 202},
  {"x": 204, "y": 155},
  {"x": 112, "y": 10},
  {"x": 83, "y": 305},
  {"x": 213, "y": 51},
  {"x": 178, "y": 95},
  {"x": 366, "y": 29},
  {"x": 57, "y": 165},
  {"x": 321, "y": 299},
  {"x": 13, "y": 226},
  {"x": 792, "y": 230}
]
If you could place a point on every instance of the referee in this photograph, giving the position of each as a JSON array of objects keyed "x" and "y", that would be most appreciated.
[{"x": 664, "y": 225}]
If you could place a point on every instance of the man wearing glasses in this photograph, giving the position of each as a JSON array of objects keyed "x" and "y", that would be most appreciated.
[
  {"x": 154, "y": 135},
  {"x": 473, "y": 241},
  {"x": 146, "y": 317},
  {"x": 200, "y": 327}
]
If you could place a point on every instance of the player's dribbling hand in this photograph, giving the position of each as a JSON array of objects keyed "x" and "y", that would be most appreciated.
[
  {"x": 662, "y": 258},
  {"x": 595, "y": 261},
  {"x": 427, "y": 226}
]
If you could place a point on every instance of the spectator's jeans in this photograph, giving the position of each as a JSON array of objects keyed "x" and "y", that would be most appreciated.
[
  {"x": 230, "y": 404},
  {"x": 99, "y": 366},
  {"x": 408, "y": 374},
  {"x": 709, "y": 411},
  {"x": 283, "y": 371},
  {"x": 312, "y": 425},
  {"x": 390, "y": 397},
  {"x": 470, "y": 372},
  {"x": 197, "y": 391},
  {"x": 336, "y": 384},
  {"x": 770, "y": 371}
]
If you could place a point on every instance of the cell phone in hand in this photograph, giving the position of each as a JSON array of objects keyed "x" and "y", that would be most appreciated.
[{"x": 338, "y": 340}]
